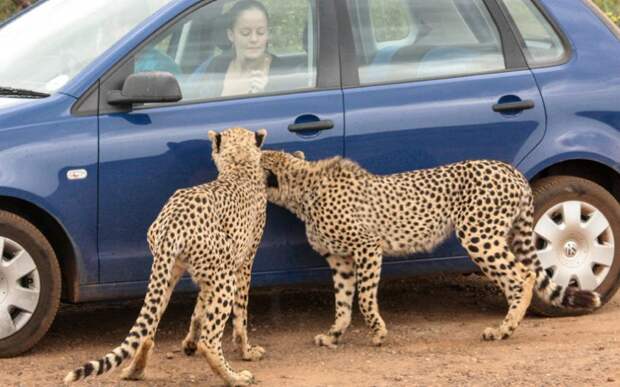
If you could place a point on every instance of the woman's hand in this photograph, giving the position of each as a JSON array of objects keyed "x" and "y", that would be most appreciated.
[{"x": 258, "y": 81}]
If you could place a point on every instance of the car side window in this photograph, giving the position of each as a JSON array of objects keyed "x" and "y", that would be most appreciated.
[
  {"x": 389, "y": 21},
  {"x": 445, "y": 38},
  {"x": 543, "y": 46},
  {"x": 237, "y": 48}
]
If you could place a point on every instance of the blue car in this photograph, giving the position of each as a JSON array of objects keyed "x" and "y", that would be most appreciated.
[{"x": 105, "y": 107}]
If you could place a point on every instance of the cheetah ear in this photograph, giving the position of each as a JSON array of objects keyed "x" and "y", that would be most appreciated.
[
  {"x": 260, "y": 137},
  {"x": 299, "y": 155},
  {"x": 216, "y": 140},
  {"x": 272, "y": 179}
]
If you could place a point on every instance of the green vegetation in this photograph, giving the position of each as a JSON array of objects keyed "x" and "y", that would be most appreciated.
[
  {"x": 611, "y": 8},
  {"x": 9, "y": 7},
  {"x": 288, "y": 20}
]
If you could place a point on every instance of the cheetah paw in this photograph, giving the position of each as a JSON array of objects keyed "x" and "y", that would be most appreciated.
[
  {"x": 254, "y": 353},
  {"x": 189, "y": 347},
  {"x": 130, "y": 373},
  {"x": 243, "y": 378},
  {"x": 379, "y": 337},
  {"x": 326, "y": 341},
  {"x": 491, "y": 334}
]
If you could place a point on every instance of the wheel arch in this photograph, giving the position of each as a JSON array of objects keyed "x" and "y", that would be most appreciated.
[
  {"x": 595, "y": 171},
  {"x": 56, "y": 235}
]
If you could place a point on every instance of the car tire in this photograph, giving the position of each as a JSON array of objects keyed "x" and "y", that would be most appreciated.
[
  {"x": 591, "y": 261},
  {"x": 30, "y": 285}
]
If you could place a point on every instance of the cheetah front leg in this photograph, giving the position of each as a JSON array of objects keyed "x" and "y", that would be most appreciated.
[
  {"x": 218, "y": 305},
  {"x": 343, "y": 274},
  {"x": 240, "y": 313},
  {"x": 368, "y": 261}
]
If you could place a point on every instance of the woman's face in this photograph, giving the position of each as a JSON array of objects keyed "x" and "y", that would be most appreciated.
[{"x": 249, "y": 35}]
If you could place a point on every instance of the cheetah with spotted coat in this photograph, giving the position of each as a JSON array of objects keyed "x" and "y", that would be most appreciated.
[
  {"x": 212, "y": 231},
  {"x": 353, "y": 218}
]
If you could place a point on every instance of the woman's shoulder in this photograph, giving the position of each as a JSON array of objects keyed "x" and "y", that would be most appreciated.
[
  {"x": 219, "y": 64},
  {"x": 279, "y": 65},
  {"x": 276, "y": 61}
]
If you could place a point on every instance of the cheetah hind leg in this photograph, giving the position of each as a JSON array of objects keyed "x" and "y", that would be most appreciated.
[
  {"x": 135, "y": 370},
  {"x": 519, "y": 296},
  {"x": 214, "y": 320},
  {"x": 189, "y": 344},
  {"x": 240, "y": 311}
]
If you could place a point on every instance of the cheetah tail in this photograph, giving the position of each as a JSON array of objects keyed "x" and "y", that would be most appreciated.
[
  {"x": 568, "y": 297},
  {"x": 137, "y": 335},
  {"x": 154, "y": 304},
  {"x": 108, "y": 362},
  {"x": 524, "y": 248}
]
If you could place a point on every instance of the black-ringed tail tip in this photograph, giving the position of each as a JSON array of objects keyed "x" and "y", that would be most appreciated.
[{"x": 581, "y": 299}]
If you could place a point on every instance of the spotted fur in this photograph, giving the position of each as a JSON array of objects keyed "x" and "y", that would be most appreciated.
[
  {"x": 354, "y": 218},
  {"x": 212, "y": 231}
]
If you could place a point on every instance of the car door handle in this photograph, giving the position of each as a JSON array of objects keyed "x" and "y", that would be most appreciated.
[
  {"x": 311, "y": 126},
  {"x": 519, "y": 105}
]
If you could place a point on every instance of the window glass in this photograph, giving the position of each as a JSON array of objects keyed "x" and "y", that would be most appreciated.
[
  {"x": 542, "y": 44},
  {"x": 50, "y": 44},
  {"x": 449, "y": 38},
  {"x": 237, "y": 48},
  {"x": 389, "y": 20}
]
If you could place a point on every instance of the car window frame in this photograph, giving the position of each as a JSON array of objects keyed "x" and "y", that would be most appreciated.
[
  {"x": 613, "y": 28},
  {"x": 512, "y": 52},
  {"x": 555, "y": 26},
  {"x": 328, "y": 74}
]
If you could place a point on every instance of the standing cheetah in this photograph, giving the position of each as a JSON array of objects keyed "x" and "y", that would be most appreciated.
[
  {"x": 353, "y": 218},
  {"x": 212, "y": 231}
]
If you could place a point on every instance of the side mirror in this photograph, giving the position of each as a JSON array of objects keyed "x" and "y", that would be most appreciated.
[{"x": 148, "y": 87}]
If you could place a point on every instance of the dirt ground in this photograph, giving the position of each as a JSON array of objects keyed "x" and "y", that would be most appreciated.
[{"x": 434, "y": 323}]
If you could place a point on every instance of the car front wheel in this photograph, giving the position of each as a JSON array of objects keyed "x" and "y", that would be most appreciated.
[
  {"x": 577, "y": 236},
  {"x": 29, "y": 285}
]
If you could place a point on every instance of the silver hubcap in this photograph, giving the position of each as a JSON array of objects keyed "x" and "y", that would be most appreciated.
[
  {"x": 19, "y": 287},
  {"x": 575, "y": 244}
]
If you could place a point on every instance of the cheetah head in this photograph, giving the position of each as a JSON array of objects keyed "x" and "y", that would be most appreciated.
[
  {"x": 280, "y": 170},
  {"x": 236, "y": 146}
]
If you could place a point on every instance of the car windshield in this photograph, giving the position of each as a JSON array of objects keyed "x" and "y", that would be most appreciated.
[{"x": 46, "y": 47}]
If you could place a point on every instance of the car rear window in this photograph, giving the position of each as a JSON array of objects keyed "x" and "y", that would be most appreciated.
[
  {"x": 543, "y": 46},
  {"x": 446, "y": 38},
  {"x": 608, "y": 12}
]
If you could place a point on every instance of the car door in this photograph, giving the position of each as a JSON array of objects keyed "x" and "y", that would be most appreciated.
[
  {"x": 434, "y": 82},
  {"x": 149, "y": 151}
]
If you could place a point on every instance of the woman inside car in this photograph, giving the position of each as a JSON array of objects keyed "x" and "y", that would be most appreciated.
[{"x": 248, "y": 67}]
